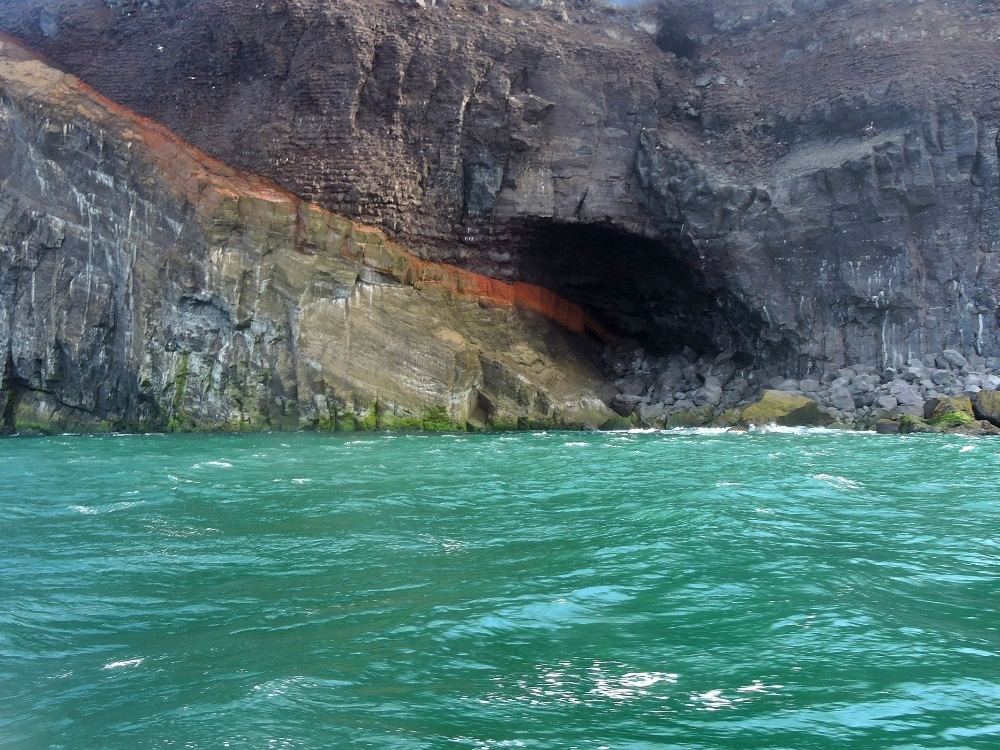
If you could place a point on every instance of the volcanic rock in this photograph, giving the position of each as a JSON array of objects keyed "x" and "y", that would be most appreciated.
[{"x": 145, "y": 286}]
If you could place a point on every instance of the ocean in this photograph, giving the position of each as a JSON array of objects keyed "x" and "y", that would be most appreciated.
[{"x": 683, "y": 589}]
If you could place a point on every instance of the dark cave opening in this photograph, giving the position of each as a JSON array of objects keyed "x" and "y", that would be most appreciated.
[{"x": 642, "y": 289}]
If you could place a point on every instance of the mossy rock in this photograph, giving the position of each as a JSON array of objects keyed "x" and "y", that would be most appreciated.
[
  {"x": 952, "y": 419},
  {"x": 910, "y": 424},
  {"x": 617, "y": 423},
  {"x": 691, "y": 418},
  {"x": 948, "y": 405},
  {"x": 731, "y": 418},
  {"x": 786, "y": 409}
]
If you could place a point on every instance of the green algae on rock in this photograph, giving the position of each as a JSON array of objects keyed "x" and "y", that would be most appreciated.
[{"x": 786, "y": 409}]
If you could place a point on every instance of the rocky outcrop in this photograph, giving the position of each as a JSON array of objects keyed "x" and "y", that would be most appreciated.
[{"x": 144, "y": 285}]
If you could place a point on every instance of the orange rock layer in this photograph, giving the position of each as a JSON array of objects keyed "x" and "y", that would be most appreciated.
[{"x": 203, "y": 180}]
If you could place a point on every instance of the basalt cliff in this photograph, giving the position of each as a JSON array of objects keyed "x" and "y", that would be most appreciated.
[{"x": 470, "y": 213}]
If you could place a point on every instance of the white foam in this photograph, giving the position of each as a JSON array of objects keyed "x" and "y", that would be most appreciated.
[
  {"x": 84, "y": 510},
  {"x": 123, "y": 664},
  {"x": 841, "y": 483}
]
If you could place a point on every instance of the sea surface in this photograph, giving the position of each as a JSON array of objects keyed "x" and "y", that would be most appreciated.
[{"x": 688, "y": 589}]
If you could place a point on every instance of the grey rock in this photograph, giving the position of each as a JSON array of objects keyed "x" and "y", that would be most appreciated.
[
  {"x": 738, "y": 385},
  {"x": 886, "y": 402},
  {"x": 624, "y": 404},
  {"x": 634, "y": 388},
  {"x": 906, "y": 394},
  {"x": 650, "y": 414},
  {"x": 864, "y": 399},
  {"x": 841, "y": 399},
  {"x": 954, "y": 358},
  {"x": 941, "y": 377},
  {"x": 709, "y": 395}
]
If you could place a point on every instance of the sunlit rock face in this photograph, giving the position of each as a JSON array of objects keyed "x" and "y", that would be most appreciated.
[
  {"x": 810, "y": 184},
  {"x": 145, "y": 286}
]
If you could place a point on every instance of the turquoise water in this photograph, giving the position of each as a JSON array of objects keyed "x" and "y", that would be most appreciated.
[{"x": 561, "y": 590}]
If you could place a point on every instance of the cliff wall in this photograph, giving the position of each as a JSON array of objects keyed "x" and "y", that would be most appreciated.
[
  {"x": 144, "y": 285},
  {"x": 811, "y": 183}
]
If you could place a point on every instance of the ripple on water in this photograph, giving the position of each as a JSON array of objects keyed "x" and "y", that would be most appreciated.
[{"x": 686, "y": 588}]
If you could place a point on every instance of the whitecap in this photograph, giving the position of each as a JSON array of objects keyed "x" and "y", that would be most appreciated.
[
  {"x": 223, "y": 464},
  {"x": 696, "y": 430},
  {"x": 713, "y": 700},
  {"x": 576, "y": 444},
  {"x": 967, "y": 448},
  {"x": 841, "y": 483},
  {"x": 121, "y": 664},
  {"x": 84, "y": 510},
  {"x": 301, "y": 481}
]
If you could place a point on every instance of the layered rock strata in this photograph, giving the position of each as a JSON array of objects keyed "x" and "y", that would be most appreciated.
[
  {"x": 144, "y": 285},
  {"x": 813, "y": 185}
]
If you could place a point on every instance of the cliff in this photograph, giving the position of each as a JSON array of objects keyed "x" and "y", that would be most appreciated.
[
  {"x": 797, "y": 188},
  {"x": 144, "y": 285},
  {"x": 813, "y": 183}
]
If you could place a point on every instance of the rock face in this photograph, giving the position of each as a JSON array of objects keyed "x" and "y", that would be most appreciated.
[
  {"x": 813, "y": 185},
  {"x": 801, "y": 197},
  {"x": 144, "y": 285}
]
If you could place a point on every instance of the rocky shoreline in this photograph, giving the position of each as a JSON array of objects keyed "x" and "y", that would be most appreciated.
[{"x": 946, "y": 392}]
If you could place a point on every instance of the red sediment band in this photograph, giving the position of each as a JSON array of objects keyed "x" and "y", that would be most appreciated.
[{"x": 193, "y": 172}]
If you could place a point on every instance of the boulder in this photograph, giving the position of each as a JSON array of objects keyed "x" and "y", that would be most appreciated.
[
  {"x": 886, "y": 402},
  {"x": 710, "y": 394},
  {"x": 887, "y": 427},
  {"x": 624, "y": 404},
  {"x": 650, "y": 415},
  {"x": 617, "y": 423},
  {"x": 787, "y": 409},
  {"x": 905, "y": 393},
  {"x": 954, "y": 358},
  {"x": 633, "y": 388},
  {"x": 690, "y": 418},
  {"x": 986, "y": 405},
  {"x": 952, "y": 405},
  {"x": 842, "y": 399}
]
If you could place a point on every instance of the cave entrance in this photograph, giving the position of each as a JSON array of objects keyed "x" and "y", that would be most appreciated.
[{"x": 640, "y": 289}]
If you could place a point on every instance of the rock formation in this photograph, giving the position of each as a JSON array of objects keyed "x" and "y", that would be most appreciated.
[
  {"x": 806, "y": 190},
  {"x": 146, "y": 286}
]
